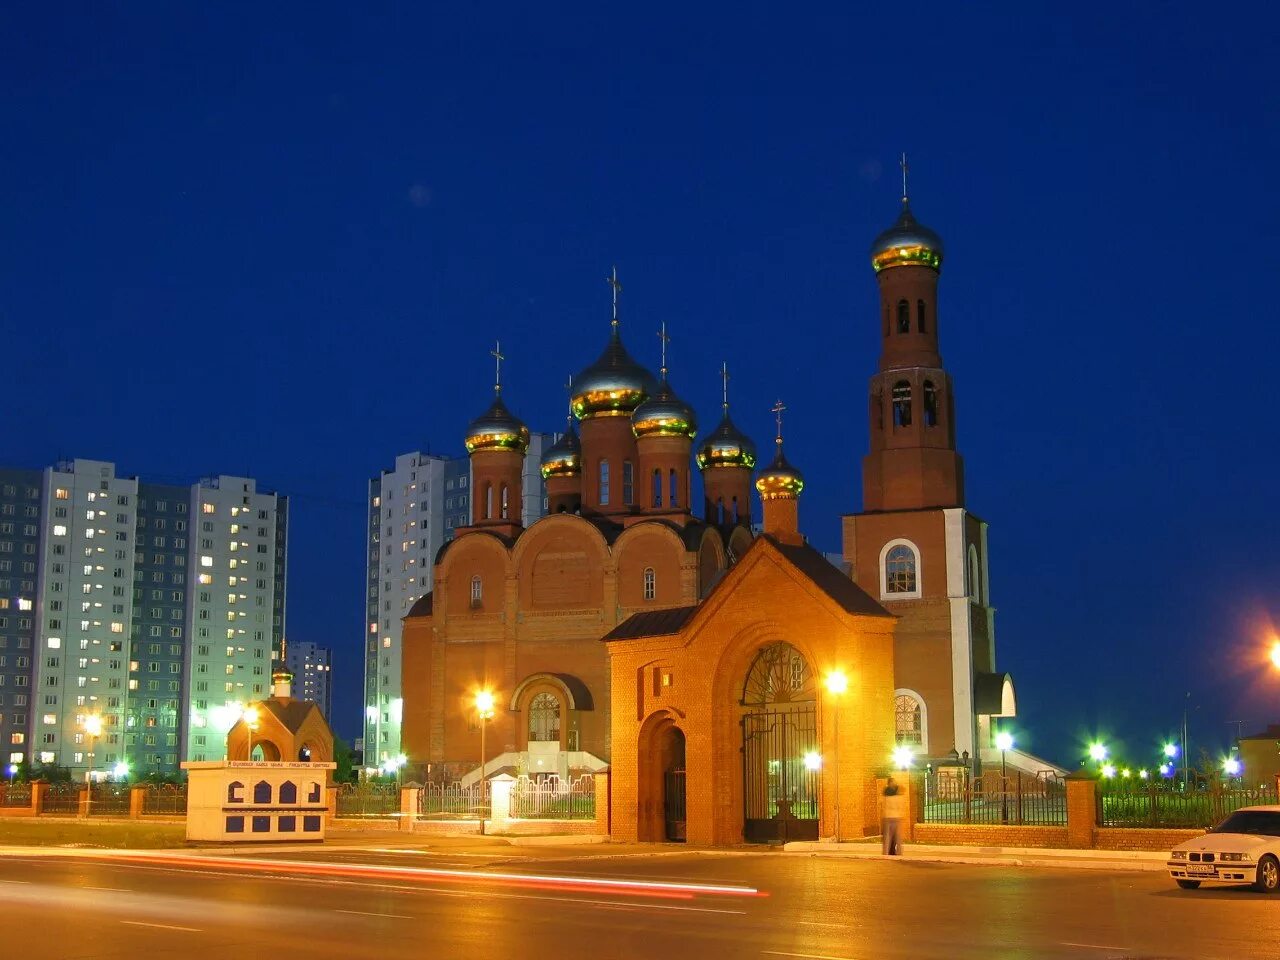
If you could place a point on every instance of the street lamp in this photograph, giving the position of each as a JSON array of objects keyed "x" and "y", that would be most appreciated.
[
  {"x": 837, "y": 683},
  {"x": 1275, "y": 653},
  {"x": 250, "y": 717},
  {"x": 1004, "y": 742},
  {"x": 1097, "y": 752},
  {"x": 93, "y": 727},
  {"x": 484, "y": 710}
]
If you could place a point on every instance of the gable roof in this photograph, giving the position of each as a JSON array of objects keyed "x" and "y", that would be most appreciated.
[
  {"x": 422, "y": 607},
  {"x": 822, "y": 573},
  {"x": 652, "y": 623},
  {"x": 291, "y": 713}
]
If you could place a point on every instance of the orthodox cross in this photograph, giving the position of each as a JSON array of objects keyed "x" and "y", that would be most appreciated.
[
  {"x": 777, "y": 412},
  {"x": 903, "y": 163},
  {"x": 724, "y": 385},
  {"x": 498, "y": 357},
  {"x": 612, "y": 280},
  {"x": 662, "y": 335},
  {"x": 568, "y": 389}
]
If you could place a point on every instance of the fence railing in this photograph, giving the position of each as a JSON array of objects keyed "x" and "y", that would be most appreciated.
[
  {"x": 1017, "y": 798},
  {"x": 109, "y": 800},
  {"x": 62, "y": 798},
  {"x": 449, "y": 800},
  {"x": 15, "y": 795},
  {"x": 1137, "y": 804},
  {"x": 367, "y": 799},
  {"x": 554, "y": 798},
  {"x": 165, "y": 798}
]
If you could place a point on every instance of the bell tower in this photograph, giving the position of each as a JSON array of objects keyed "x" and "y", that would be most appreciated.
[{"x": 913, "y": 463}]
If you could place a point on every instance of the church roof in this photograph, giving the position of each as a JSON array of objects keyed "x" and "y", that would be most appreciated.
[
  {"x": 824, "y": 575},
  {"x": 291, "y": 713},
  {"x": 422, "y": 607},
  {"x": 652, "y": 623}
]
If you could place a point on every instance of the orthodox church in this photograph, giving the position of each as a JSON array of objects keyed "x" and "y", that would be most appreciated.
[{"x": 737, "y": 684}]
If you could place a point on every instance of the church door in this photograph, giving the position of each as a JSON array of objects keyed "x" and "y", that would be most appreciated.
[{"x": 779, "y": 748}]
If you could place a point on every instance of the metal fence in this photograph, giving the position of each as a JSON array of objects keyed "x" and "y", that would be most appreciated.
[
  {"x": 554, "y": 798},
  {"x": 109, "y": 800},
  {"x": 162, "y": 798},
  {"x": 367, "y": 799},
  {"x": 1128, "y": 803},
  {"x": 15, "y": 795},
  {"x": 453, "y": 800},
  {"x": 62, "y": 798},
  {"x": 1018, "y": 798}
]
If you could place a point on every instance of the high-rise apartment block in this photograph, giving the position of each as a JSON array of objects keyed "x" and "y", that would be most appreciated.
[
  {"x": 414, "y": 509},
  {"x": 311, "y": 666},
  {"x": 133, "y": 616}
]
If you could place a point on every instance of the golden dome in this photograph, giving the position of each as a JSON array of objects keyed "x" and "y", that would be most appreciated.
[
  {"x": 564, "y": 457},
  {"x": 780, "y": 480},
  {"x": 613, "y": 386},
  {"x": 497, "y": 429},
  {"x": 664, "y": 415},
  {"x": 907, "y": 244}
]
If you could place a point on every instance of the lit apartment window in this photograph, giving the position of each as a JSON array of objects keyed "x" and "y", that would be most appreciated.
[{"x": 207, "y": 508}]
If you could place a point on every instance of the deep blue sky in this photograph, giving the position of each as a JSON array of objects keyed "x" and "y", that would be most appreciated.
[{"x": 287, "y": 236}]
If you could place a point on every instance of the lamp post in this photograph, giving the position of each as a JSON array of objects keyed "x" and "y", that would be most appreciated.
[
  {"x": 93, "y": 727},
  {"x": 1004, "y": 742},
  {"x": 837, "y": 683},
  {"x": 250, "y": 717},
  {"x": 484, "y": 711}
]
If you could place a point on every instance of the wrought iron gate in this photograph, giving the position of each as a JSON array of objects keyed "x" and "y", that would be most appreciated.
[
  {"x": 673, "y": 805},
  {"x": 780, "y": 787}
]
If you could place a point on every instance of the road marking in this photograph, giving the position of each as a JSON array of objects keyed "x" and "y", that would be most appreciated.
[
  {"x": 807, "y": 956},
  {"x": 161, "y": 926},
  {"x": 1090, "y": 946},
  {"x": 109, "y": 889},
  {"x": 365, "y": 913},
  {"x": 15, "y": 881}
]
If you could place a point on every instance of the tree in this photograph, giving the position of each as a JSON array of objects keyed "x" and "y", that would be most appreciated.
[{"x": 342, "y": 756}]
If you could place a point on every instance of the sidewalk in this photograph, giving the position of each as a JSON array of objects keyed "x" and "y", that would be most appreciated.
[{"x": 992, "y": 856}]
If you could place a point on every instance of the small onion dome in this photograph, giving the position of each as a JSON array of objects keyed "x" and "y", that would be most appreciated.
[
  {"x": 613, "y": 386},
  {"x": 664, "y": 415},
  {"x": 780, "y": 480},
  {"x": 907, "y": 243},
  {"x": 282, "y": 676},
  {"x": 497, "y": 429},
  {"x": 564, "y": 457},
  {"x": 727, "y": 446}
]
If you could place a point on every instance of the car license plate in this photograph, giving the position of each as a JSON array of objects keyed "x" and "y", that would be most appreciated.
[{"x": 1203, "y": 868}]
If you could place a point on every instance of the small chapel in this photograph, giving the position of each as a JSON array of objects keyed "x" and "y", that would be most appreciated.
[{"x": 737, "y": 684}]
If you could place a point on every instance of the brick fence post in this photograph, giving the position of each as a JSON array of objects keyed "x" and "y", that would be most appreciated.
[
  {"x": 331, "y": 798},
  {"x": 602, "y": 803},
  {"x": 1082, "y": 810},
  {"x": 137, "y": 800},
  {"x": 38, "y": 789},
  {"x": 410, "y": 804},
  {"x": 83, "y": 808}
]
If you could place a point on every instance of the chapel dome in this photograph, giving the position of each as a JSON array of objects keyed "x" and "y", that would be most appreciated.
[
  {"x": 613, "y": 386},
  {"x": 907, "y": 243},
  {"x": 497, "y": 429},
  {"x": 564, "y": 457},
  {"x": 726, "y": 446},
  {"x": 780, "y": 480},
  {"x": 664, "y": 415}
]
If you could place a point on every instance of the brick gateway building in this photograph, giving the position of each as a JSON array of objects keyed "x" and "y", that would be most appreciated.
[{"x": 708, "y": 695}]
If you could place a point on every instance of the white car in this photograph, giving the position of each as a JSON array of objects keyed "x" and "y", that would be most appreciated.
[{"x": 1242, "y": 849}]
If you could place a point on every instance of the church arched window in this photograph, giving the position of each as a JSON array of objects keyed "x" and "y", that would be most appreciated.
[
  {"x": 735, "y": 509},
  {"x": 904, "y": 317},
  {"x": 902, "y": 404},
  {"x": 900, "y": 570},
  {"x": 657, "y": 488},
  {"x": 720, "y": 510},
  {"x": 544, "y": 719},
  {"x": 908, "y": 720},
  {"x": 921, "y": 324},
  {"x": 650, "y": 583},
  {"x": 673, "y": 498},
  {"x": 930, "y": 404},
  {"x": 604, "y": 483},
  {"x": 505, "y": 504},
  {"x": 628, "y": 483},
  {"x": 488, "y": 501},
  {"x": 475, "y": 591},
  {"x": 975, "y": 575}
]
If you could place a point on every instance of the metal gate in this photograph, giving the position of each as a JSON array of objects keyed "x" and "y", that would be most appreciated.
[
  {"x": 780, "y": 780},
  {"x": 673, "y": 805}
]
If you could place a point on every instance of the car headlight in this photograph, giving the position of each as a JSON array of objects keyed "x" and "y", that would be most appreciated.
[
  {"x": 1179, "y": 855},
  {"x": 1235, "y": 857}
]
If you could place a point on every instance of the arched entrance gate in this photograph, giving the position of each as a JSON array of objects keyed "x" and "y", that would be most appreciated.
[{"x": 780, "y": 769}]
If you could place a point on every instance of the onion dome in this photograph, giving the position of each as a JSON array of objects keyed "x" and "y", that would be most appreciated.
[
  {"x": 664, "y": 415},
  {"x": 497, "y": 429},
  {"x": 564, "y": 457},
  {"x": 780, "y": 480},
  {"x": 727, "y": 446},
  {"x": 613, "y": 386},
  {"x": 905, "y": 244}
]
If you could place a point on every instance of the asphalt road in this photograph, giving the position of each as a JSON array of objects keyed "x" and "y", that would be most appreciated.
[{"x": 502, "y": 905}]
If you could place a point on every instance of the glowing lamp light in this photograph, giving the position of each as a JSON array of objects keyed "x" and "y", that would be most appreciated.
[
  {"x": 1004, "y": 741},
  {"x": 1143, "y": 774},
  {"x": 484, "y": 703},
  {"x": 1108, "y": 771},
  {"x": 1171, "y": 750},
  {"x": 93, "y": 725},
  {"x": 251, "y": 717},
  {"x": 1166, "y": 769},
  {"x": 903, "y": 757},
  {"x": 1126, "y": 773},
  {"x": 1231, "y": 767},
  {"x": 1097, "y": 751},
  {"x": 813, "y": 760},
  {"x": 13, "y": 769},
  {"x": 1275, "y": 653},
  {"x": 120, "y": 770},
  {"x": 837, "y": 682}
]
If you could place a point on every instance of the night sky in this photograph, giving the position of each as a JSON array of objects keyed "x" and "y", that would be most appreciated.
[{"x": 282, "y": 240}]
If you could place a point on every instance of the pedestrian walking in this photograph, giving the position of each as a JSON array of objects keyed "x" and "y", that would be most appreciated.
[{"x": 891, "y": 827}]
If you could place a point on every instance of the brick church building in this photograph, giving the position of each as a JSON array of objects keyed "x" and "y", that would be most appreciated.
[{"x": 737, "y": 683}]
